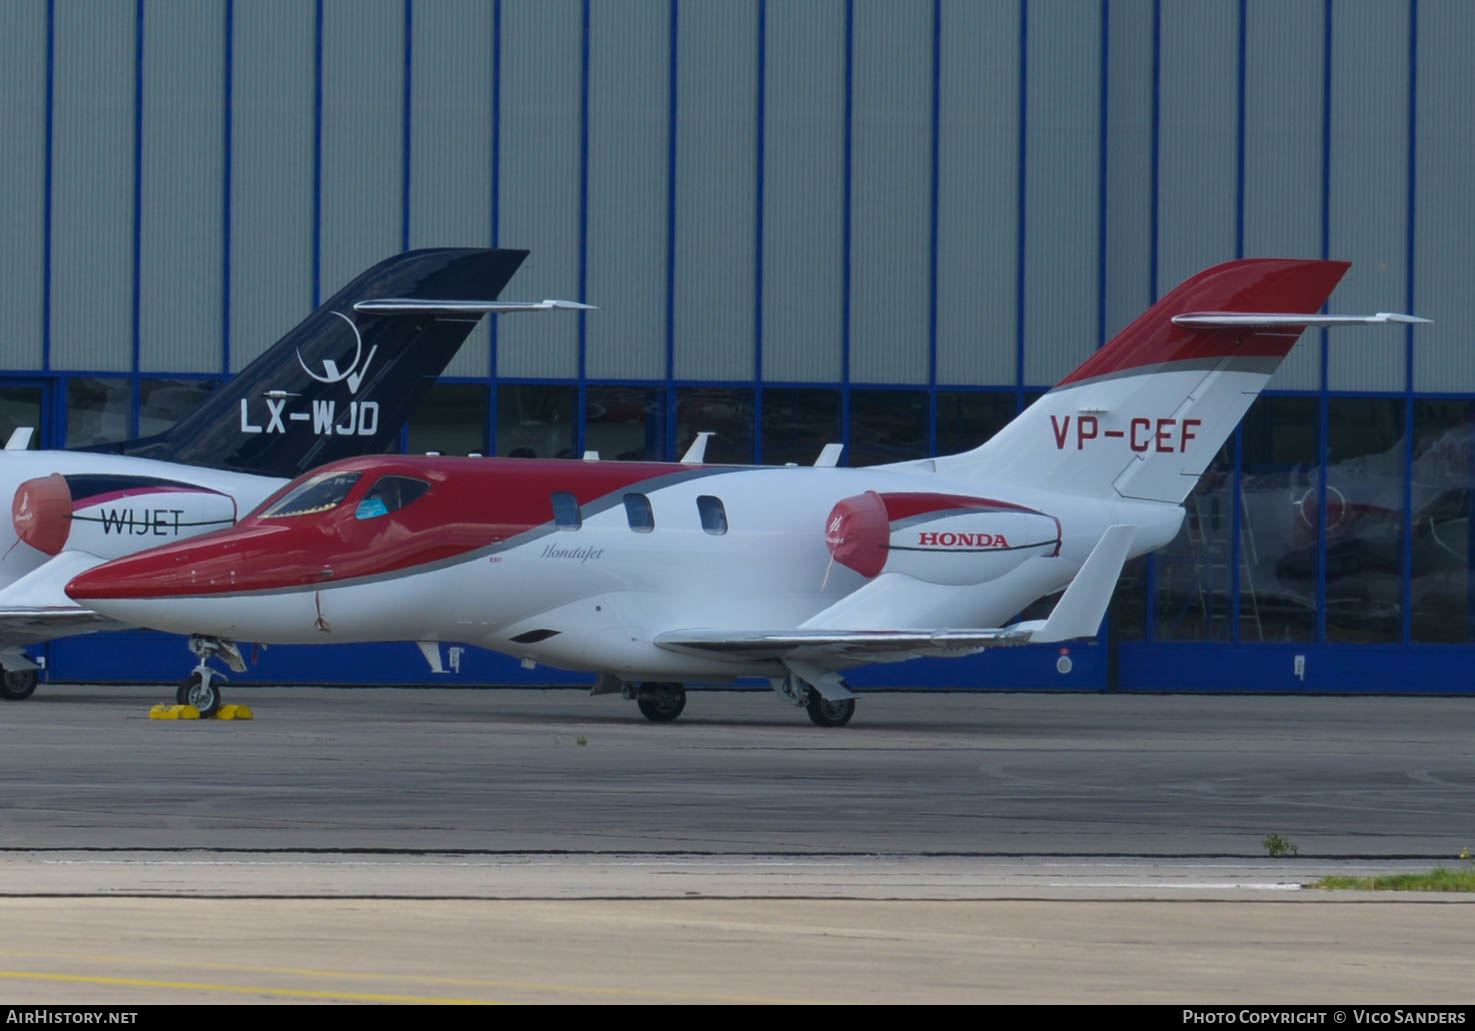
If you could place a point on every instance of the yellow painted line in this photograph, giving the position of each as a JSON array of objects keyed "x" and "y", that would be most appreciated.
[
  {"x": 464, "y": 982},
  {"x": 199, "y": 986}
]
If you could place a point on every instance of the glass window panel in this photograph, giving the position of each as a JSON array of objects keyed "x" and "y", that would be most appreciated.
[
  {"x": 322, "y": 492},
  {"x": 887, "y": 426},
  {"x": 1192, "y": 578},
  {"x": 1277, "y": 586},
  {"x": 726, "y": 413},
  {"x": 566, "y": 511},
  {"x": 21, "y": 406},
  {"x": 163, "y": 402},
  {"x": 1443, "y": 477},
  {"x": 97, "y": 410},
  {"x": 390, "y": 494},
  {"x": 625, "y": 422},
  {"x": 535, "y": 420},
  {"x": 451, "y": 419},
  {"x": 967, "y": 418},
  {"x": 798, "y": 423},
  {"x": 713, "y": 513},
  {"x": 638, "y": 513},
  {"x": 1364, "y": 519}
]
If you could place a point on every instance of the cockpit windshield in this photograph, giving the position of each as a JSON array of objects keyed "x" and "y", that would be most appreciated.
[
  {"x": 388, "y": 495},
  {"x": 316, "y": 495}
]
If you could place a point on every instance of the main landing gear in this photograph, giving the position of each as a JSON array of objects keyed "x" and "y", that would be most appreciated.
[
  {"x": 199, "y": 688},
  {"x": 17, "y": 684},
  {"x": 662, "y": 701},
  {"x": 827, "y": 700}
]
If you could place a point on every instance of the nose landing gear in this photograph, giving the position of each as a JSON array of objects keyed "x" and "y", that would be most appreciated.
[{"x": 199, "y": 688}]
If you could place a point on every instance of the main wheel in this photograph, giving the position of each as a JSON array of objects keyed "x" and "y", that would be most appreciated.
[
  {"x": 16, "y": 684},
  {"x": 829, "y": 714},
  {"x": 661, "y": 703},
  {"x": 194, "y": 691}
]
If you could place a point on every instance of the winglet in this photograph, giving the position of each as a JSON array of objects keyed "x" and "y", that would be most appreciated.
[
  {"x": 20, "y": 438},
  {"x": 698, "y": 450},
  {"x": 829, "y": 456},
  {"x": 1081, "y": 608}
]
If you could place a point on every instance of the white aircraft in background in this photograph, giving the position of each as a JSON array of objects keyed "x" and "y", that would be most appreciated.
[
  {"x": 655, "y": 574},
  {"x": 343, "y": 382}
]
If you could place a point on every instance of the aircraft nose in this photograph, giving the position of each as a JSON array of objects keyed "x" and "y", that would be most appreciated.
[
  {"x": 219, "y": 563},
  {"x": 136, "y": 576}
]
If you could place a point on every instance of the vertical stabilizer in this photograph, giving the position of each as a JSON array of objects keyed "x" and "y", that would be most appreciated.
[
  {"x": 342, "y": 382},
  {"x": 1143, "y": 417}
]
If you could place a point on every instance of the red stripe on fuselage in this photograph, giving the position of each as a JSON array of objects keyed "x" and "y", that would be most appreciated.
[
  {"x": 472, "y": 503},
  {"x": 905, "y": 506},
  {"x": 1252, "y": 285}
]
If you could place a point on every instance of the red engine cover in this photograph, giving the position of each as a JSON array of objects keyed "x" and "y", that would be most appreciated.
[
  {"x": 42, "y": 513},
  {"x": 857, "y": 533}
]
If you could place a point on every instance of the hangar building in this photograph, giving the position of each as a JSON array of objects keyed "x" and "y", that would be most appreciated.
[{"x": 884, "y": 222}]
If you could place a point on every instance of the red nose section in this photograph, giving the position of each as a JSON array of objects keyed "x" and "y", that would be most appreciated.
[
  {"x": 231, "y": 560},
  {"x": 42, "y": 513}
]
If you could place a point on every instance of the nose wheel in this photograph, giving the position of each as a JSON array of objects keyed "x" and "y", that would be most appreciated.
[{"x": 198, "y": 689}]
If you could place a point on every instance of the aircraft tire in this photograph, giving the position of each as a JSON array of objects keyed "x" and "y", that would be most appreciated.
[
  {"x": 659, "y": 702},
  {"x": 17, "y": 684},
  {"x": 829, "y": 714},
  {"x": 193, "y": 692}
]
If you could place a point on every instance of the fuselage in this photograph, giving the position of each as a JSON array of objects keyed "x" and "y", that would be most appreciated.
[{"x": 580, "y": 564}]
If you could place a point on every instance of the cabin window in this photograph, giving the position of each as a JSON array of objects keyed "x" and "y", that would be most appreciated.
[
  {"x": 637, "y": 511},
  {"x": 390, "y": 494},
  {"x": 714, "y": 515},
  {"x": 566, "y": 511},
  {"x": 322, "y": 492}
]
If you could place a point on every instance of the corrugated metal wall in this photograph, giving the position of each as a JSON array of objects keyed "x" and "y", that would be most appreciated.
[
  {"x": 94, "y": 109},
  {"x": 819, "y": 192},
  {"x": 273, "y": 169},
  {"x": 23, "y": 108},
  {"x": 540, "y": 176},
  {"x": 181, "y": 201}
]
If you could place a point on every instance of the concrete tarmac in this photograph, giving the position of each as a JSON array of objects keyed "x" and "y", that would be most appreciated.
[{"x": 543, "y": 846}]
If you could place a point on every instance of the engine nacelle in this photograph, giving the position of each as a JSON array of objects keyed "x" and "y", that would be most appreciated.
[
  {"x": 112, "y": 516},
  {"x": 939, "y": 538}
]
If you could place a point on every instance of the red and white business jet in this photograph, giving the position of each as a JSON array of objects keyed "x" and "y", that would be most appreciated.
[{"x": 653, "y": 574}]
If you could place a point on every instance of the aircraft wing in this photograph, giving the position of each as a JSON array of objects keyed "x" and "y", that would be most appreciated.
[
  {"x": 1078, "y": 613},
  {"x": 35, "y": 608},
  {"x": 23, "y": 626},
  {"x": 820, "y": 645}
]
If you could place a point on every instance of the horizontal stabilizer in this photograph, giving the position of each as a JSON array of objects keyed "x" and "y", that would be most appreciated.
[
  {"x": 413, "y": 306},
  {"x": 1256, "y": 320}
]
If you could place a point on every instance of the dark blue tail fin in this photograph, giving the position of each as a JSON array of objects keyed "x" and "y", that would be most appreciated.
[{"x": 343, "y": 382}]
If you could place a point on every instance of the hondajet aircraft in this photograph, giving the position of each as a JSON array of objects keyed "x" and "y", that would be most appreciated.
[
  {"x": 658, "y": 574},
  {"x": 343, "y": 382}
]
